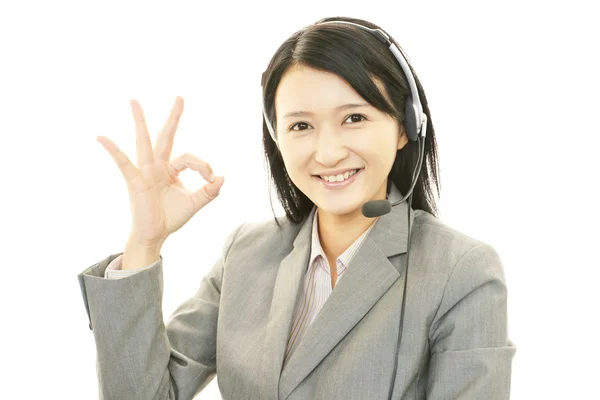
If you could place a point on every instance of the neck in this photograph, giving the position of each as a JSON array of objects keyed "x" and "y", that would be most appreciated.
[{"x": 338, "y": 232}]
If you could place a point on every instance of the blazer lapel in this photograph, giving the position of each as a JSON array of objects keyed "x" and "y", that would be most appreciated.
[
  {"x": 369, "y": 275},
  {"x": 288, "y": 283}
]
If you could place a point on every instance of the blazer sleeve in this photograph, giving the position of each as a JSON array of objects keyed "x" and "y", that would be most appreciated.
[
  {"x": 138, "y": 357},
  {"x": 471, "y": 355}
]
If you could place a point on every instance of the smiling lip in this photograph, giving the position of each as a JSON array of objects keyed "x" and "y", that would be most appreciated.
[
  {"x": 336, "y": 172},
  {"x": 338, "y": 185}
]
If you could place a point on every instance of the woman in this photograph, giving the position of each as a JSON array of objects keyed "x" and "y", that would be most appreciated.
[{"x": 312, "y": 305}]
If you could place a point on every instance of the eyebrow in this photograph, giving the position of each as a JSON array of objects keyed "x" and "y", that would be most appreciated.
[{"x": 342, "y": 107}]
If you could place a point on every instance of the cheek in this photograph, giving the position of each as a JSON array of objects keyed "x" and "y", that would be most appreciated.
[
  {"x": 293, "y": 162},
  {"x": 377, "y": 150}
]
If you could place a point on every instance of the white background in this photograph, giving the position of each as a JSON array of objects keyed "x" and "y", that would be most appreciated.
[{"x": 513, "y": 91}]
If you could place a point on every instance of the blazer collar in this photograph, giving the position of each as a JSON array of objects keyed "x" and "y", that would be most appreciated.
[{"x": 369, "y": 275}]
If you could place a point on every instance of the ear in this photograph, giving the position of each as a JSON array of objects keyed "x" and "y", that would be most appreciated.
[{"x": 402, "y": 138}]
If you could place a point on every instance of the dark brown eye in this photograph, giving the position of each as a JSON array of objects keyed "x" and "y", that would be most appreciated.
[
  {"x": 298, "y": 123},
  {"x": 362, "y": 117}
]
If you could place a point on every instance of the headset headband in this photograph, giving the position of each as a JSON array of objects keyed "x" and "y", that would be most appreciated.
[{"x": 414, "y": 117}]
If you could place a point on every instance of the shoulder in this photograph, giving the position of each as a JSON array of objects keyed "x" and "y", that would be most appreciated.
[
  {"x": 452, "y": 268},
  {"x": 445, "y": 251},
  {"x": 434, "y": 234},
  {"x": 260, "y": 237}
]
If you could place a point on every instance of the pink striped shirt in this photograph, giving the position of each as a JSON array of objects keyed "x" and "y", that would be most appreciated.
[{"x": 316, "y": 285}]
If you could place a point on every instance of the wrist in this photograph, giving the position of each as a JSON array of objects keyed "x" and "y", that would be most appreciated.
[
  {"x": 134, "y": 241},
  {"x": 138, "y": 255}
]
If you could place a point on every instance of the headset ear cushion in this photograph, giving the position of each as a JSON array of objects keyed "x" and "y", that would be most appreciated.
[{"x": 410, "y": 119}]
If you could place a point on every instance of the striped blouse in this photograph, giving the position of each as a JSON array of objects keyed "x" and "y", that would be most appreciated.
[{"x": 316, "y": 284}]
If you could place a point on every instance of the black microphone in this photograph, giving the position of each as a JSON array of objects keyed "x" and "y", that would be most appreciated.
[{"x": 376, "y": 208}]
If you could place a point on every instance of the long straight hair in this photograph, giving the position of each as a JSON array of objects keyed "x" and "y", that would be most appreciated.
[{"x": 356, "y": 56}]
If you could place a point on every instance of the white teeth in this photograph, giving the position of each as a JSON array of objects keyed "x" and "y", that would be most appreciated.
[{"x": 340, "y": 177}]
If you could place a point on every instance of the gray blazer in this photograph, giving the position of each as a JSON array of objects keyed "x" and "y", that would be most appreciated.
[{"x": 454, "y": 343}]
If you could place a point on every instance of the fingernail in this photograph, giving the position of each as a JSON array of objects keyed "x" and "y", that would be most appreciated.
[{"x": 211, "y": 177}]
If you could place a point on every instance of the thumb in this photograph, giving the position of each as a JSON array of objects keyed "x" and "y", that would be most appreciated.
[{"x": 209, "y": 191}]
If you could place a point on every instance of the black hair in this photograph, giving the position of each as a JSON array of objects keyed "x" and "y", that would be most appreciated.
[{"x": 356, "y": 56}]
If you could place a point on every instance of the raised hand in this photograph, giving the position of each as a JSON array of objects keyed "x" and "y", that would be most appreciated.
[{"x": 160, "y": 203}]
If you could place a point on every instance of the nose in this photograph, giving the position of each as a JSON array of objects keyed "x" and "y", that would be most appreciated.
[{"x": 329, "y": 148}]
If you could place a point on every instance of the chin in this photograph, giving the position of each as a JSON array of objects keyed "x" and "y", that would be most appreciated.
[{"x": 336, "y": 208}]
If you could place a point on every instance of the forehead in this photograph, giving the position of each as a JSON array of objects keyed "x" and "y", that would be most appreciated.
[
  {"x": 303, "y": 88},
  {"x": 300, "y": 79}
]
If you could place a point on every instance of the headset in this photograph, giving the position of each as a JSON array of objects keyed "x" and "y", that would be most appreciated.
[{"x": 416, "y": 129}]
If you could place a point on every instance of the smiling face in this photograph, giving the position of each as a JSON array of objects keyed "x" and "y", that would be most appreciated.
[{"x": 329, "y": 136}]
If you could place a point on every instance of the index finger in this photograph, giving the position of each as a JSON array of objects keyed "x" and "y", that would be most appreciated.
[
  {"x": 143, "y": 145},
  {"x": 164, "y": 143}
]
